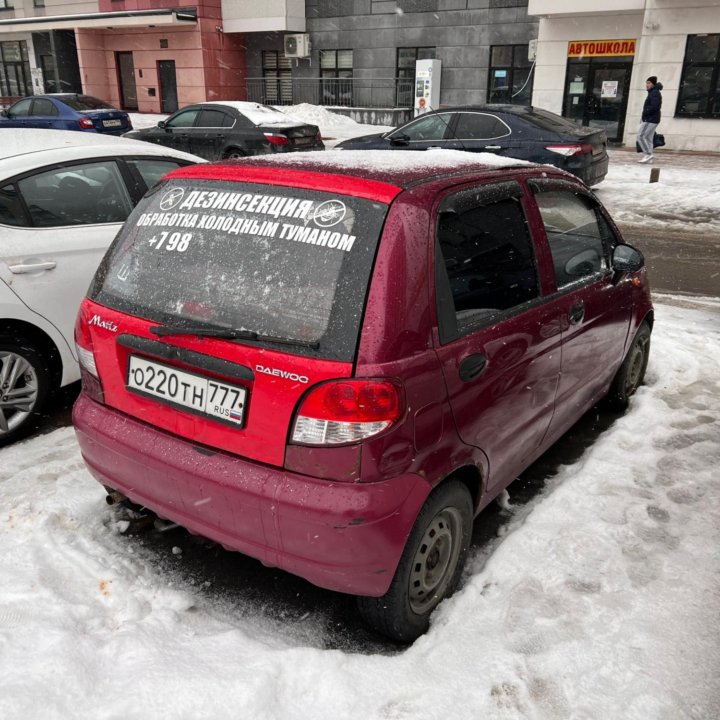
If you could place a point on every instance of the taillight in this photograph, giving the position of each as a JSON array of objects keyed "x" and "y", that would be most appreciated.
[
  {"x": 347, "y": 411},
  {"x": 86, "y": 355},
  {"x": 86, "y": 123},
  {"x": 568, "y": 150},
  {"x": 276, "y": 139}
]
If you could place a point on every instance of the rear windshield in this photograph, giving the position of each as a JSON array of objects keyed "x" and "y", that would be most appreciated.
[
  {"x": 549, "y": 121},
  {"x": 86, "y": 102},
  {"x": 284, "y": 263}
]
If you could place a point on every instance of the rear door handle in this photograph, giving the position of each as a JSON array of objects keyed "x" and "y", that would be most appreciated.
[
  {"x": 25, "y": 268},
  {"x": 493, "y": 147},
  {"x": 577, "y": 313},
  {"x": 472, "y": 366}
]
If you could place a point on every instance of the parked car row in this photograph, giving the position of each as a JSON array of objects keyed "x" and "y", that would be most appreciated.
[{"x": 229, "y": 129}]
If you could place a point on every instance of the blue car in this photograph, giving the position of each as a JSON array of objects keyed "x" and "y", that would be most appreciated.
[{"x": 66, "y": 111}]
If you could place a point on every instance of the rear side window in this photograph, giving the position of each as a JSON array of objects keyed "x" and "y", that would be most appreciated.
[
  {"x": 291, "y": 265},
  {"x": 152, "y": 169},
  {"x": 578, "y": 235},
  {"x": 43, "y": 106},
  {"x": 480, "y": 126},
  {"x": 83, "y": 103},
  {"x": 213, "y": 119},
  {"x": 486, "y": 262}
]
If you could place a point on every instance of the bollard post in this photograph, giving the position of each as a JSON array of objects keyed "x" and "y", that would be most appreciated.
[{"x": 654, "y": 174}]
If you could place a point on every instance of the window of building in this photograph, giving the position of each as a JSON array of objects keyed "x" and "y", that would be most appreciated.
[
  {"x": 405, "y": 73},
  {"x": 699, "y": 94},
  {"x": 277, "y": 78},
  {"x": 6, "y": 4},
  {"x": 14, "y": 69},
  {"x": 508, "y": 77},
  {"x": 336, "y": 73}
]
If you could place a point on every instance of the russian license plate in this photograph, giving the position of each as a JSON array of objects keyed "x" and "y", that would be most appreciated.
[
  {"x": 112, "y": 123},
  {"x": 203, "y": 395}
]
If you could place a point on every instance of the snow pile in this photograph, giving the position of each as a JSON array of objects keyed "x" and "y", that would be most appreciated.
[{"x": 599, "y": 601}]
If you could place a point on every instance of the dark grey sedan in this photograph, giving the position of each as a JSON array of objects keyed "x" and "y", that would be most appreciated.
[
  {"x": 229, "y": 129},
  {"x": 516, "y": 131}
]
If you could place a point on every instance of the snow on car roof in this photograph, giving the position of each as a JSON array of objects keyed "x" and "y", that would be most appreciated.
[
  {"x": 256, "y": 112},
  {"x": 16, "y": 144},
  {"x": 395, "y": 166}
]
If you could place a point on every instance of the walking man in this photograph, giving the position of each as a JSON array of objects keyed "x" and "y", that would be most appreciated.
[{"x": 650, "y": 118}]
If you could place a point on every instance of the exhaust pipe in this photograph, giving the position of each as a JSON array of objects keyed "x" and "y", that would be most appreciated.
[{"x": 114, "y": 497}]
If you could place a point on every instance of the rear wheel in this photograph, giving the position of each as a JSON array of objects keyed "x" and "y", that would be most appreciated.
[
  {"x": 430, "y": 566},
  {"x": 631, "y": 373},
  {"x": 233, "y": 153},
  {"x": 24, "y": 387}
]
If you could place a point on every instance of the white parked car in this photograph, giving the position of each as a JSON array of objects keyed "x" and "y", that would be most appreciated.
[{"x": 63, "y": 197}]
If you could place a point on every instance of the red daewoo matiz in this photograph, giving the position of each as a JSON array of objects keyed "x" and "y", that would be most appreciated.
[{"x": 333, "y": 363}]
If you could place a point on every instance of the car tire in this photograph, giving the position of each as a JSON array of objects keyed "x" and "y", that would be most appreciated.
[
  {"x": 233, "y": 153},
  {"x": 429, "y": 568},
  {"x": 24, "y": 387},
  {"x": 631, "y": 373}
]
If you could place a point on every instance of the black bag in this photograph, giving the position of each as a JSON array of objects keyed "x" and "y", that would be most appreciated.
[{"x": 658, "y": 141}]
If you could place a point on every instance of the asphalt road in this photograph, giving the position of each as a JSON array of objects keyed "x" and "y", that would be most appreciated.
[{"x": 685, "y": 263}]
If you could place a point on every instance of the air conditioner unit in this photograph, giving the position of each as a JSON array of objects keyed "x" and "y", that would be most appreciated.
[{"x": 297, "y": 46}]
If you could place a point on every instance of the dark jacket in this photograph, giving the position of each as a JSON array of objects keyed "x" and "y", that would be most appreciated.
[{"x": 653, "y": 103}]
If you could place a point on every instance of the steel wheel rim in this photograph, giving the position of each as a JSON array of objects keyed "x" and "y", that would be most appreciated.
[
  {"x": 18, "y": 390},
  {"x": 635, "y": 368},
  {"x": 435, "y": 561}
]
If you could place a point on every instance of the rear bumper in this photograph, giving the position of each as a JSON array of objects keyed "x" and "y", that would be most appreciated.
[
  {"x": 591, "y": 173},
  {"x": 346, "y": 537}
]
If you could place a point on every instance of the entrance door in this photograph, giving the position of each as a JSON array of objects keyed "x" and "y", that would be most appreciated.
[
  {"x": 126, "y": 80},
  {"x": 596, "y": 95},
  {"x": 609, "y": 85},
  {"x": 168, "y": 86}
]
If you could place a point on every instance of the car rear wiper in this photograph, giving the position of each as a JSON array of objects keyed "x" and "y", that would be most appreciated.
[
  {"x": 228, "y": 333},
  {"x": 218, "y": 332}
]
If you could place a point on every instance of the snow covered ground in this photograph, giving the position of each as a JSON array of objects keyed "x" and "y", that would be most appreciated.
[
  {"x": 600, "y": 599},
  {"x": 596, "y": 599}
]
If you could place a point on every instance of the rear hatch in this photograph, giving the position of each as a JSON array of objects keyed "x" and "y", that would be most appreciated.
[{"x": 221, "y": 303}]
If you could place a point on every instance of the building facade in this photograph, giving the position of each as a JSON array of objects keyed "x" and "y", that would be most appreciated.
[
  {"x": 593, "y": 60},
  {"x": 586, "y": 61}
]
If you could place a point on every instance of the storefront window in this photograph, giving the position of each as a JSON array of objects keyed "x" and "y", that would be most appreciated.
[
  {"x": 508, "y": 77},
  {"x": 699, "y": 94}
]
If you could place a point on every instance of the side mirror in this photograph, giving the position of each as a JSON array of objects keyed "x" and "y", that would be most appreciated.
[
  {"x": 626, "y": 259},
  {"x": 4, "y": 113},
  {"x": 161, "y": 124},
  {"x": 399, "y": 140}
]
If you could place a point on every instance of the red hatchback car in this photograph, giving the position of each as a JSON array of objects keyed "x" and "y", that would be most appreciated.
[{"x": 333, "y": 363}]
